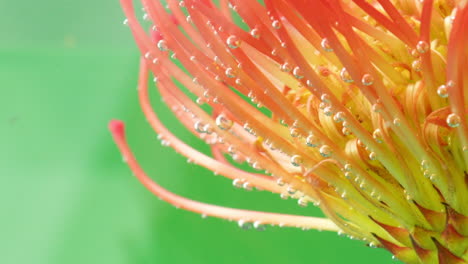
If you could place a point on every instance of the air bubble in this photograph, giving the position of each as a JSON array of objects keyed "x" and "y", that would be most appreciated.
[
  {"x": 285, "y": 67},
  {"x": 294, "y": 132},
  {"x": 280, "y": 182},
  {"x": 345, "y": 131},
  {"x": 233, "y": 42},
  {"x": 367, "y": 79},
  {"x": 422, "y": 46},
  {"x": 377, "y": 135},
  {"x": 207, "y": 129},
  {"x": 296, "y": 160},
  {"x": 297, "y": 72},
  {"x": 326, "y": 45},
  {"x": 255, "y": 33},
  {"x": 223, "y": 123},
  {"x": 345, "y": 76},
  {"x": 198, "y": 126},
  {"x": 302, "y": 202},
  {"x": 325, "y": 151},
  {"x": 453, "y": 120},
  {"x": 230, "y": 73},
  {"x": 416, "y": 65},
  {"x": 162, "y": 45},
  {"x": 244, "y": 224},
  {"x": 325, "y": 98},
  {"x": 328, "y": 111},
  {"x": 339, "y": 117},
  {"x": 312, "y": 141},
  {"x": 237, "y": 183},
  {"x": 258, "y": 226},
  {"x": 247, "y": 186},
  {"x": 442, "y": 91},
  {"x": 291, "y": 190},
  {"x": 276, "y": 24}
]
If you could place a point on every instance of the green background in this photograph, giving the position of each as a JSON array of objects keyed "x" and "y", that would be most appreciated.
[{"x": 67, "y": 68}]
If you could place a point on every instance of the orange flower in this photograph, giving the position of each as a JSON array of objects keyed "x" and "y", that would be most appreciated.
[{"x": 356, "y": 106}]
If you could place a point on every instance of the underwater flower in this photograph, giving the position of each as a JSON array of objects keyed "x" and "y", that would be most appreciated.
[{"x": 358, "y": 107}]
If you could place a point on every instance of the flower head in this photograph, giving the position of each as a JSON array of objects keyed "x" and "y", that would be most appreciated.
[{"x": 356, "y": 106}]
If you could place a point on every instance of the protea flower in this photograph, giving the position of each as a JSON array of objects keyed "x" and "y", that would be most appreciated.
[{"x": 356, "y": 106}]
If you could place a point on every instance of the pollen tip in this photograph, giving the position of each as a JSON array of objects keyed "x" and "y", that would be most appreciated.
[
  {"x": 117, "y": 127},
  {"x": 156, "y": 36},
  {"x": 174, "y": 20}
]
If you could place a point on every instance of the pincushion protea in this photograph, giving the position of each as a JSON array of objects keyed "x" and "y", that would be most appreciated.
[{"x": 365, "y": 111}]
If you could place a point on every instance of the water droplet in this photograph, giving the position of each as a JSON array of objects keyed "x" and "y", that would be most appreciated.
[
  {"x": 345, "y": 76},
  {"x": 204, "y": 216},
  {"x": 125, "y": 22},
  {"x": 255, "y": 33},
  {"x": 372, "y": 156},
  {"x": 297, "y": 72},
  {"x": 233, "y": 42},
  {"x": 325, "y": 151},
  {"x": 230, "y": 73},
  {"x": 182, "y": 4},
  {"x": 326, "y": 45},
  {"x": 453, "y": 120},
  {"x": 367, "y": 79},
  {"x": 162, "y": 45},
  {"x": 312, "y": 141},
  {"x": 397, "y": 122},
  {"x": 276, "y": 24},
  {"x": 422, "y": 46},
  {"x": 285, "y": 67},
  {"x": 284, "y": 196},
  {"x": 442, "y": 91},
  {"x": 296, "y": 160}
]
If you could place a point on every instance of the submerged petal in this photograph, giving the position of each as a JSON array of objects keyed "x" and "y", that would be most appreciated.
[{"x": 356, "y": 106}]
